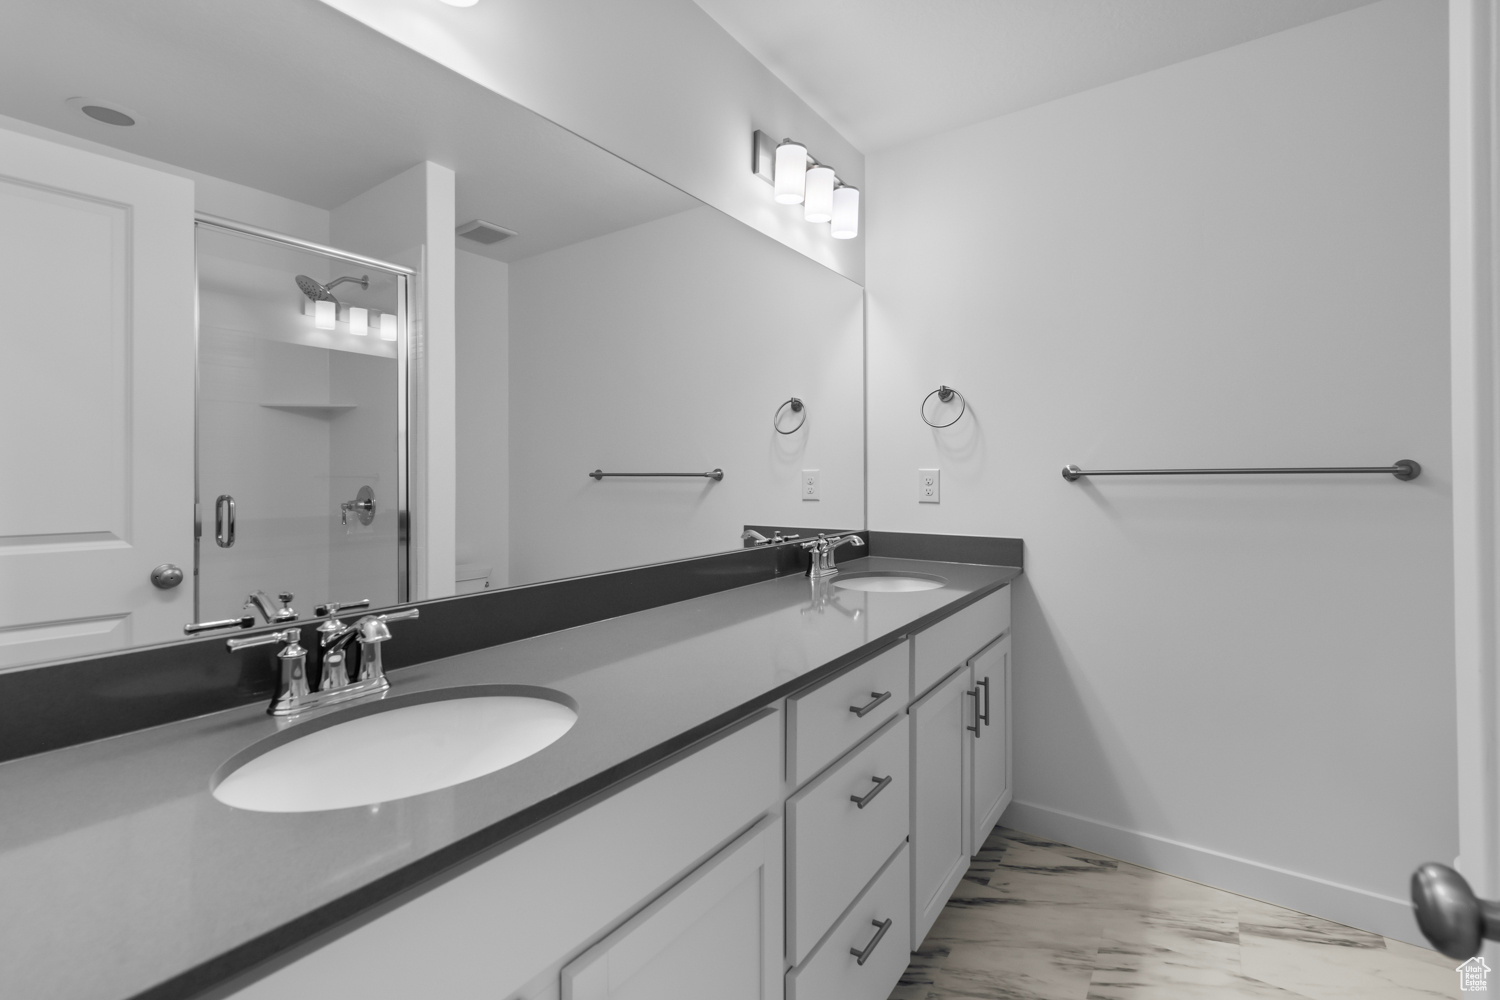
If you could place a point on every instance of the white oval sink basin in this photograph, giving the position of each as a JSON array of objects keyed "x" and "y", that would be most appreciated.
[
  {"x": 393, "y": 753},
  {"x": 888, "y": 583}
]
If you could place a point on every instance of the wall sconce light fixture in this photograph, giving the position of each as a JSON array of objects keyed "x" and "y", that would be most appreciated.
[
  {"x": 798, "y": 179},
  {"x": 325, "y": 314},
  {"x": 359, "y": 321}
]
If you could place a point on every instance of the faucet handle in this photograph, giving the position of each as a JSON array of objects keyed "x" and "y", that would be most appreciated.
[
  {"x": 334, "y": 607},
  {"x": 291, "y": 637},
  {"x": 193, "y": 628}
]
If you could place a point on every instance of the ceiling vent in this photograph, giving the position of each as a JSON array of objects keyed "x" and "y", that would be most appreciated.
[{"x": 484, "y": 232}]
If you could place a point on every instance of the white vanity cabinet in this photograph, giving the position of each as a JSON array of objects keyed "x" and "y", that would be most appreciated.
[
  {"x": 940, "y": 797},
  {"x": 990, "y": 741},
  {"x": 505, "y": 928},
  {"x": 960, "y": 763},
  {"x": 716, "y": 933},
  {"x": 802, "y": 861}
]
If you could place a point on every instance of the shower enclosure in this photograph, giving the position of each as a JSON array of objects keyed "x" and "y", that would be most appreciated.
[{"x": 301, "y": 423}]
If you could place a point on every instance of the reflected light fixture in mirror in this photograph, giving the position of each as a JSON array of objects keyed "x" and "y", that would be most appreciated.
[
  {"x": 791, "y": 172},
  {"x": 359, "y": 321},
  {"x": 387, "y": 326},
  {"x": 325, "y": 314},
  {"x": 845, "y": 212},
  {"x": 818, "y": 204}
]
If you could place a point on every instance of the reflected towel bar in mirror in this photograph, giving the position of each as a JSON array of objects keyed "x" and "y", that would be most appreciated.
[
  {"x": 1405, "y": 469},
  {"x": 715, "y": 475}
]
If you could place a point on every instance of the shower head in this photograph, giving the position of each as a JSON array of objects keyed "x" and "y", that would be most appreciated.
[{"x": 320, "y": 292}]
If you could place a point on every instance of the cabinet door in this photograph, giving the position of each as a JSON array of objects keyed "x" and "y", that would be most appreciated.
[
  {"x": 940, "y": 797},
  {"x": 717, "y": 933},
  {"x": 990, "y": 743}
]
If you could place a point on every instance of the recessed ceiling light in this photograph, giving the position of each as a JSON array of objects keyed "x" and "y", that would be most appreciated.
[{"x": 104, "y": 111}]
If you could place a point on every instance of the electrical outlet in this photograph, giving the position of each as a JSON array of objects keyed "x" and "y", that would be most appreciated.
[
  {"x": 811, "y": 487},
  {"x": 929, "y": 486}
]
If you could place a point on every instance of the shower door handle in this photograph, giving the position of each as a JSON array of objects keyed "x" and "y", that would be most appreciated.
[{"x": 224, "y": 521}]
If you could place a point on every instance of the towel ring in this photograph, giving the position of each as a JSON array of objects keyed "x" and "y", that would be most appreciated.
[
  {"x": 944, "y": 394},
  {"x": 797, "y": 407}
]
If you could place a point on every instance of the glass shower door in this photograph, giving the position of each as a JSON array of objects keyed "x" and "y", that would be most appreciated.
[{"x": 301, "y": 429}]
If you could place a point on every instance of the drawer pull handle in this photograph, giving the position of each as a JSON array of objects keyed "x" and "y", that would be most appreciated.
[
  {"x": 985, "y": 716},
  {"x": 975, "y": 727},
  {"x": 878, "y": 697},
  {"x": 868, "y": 797},
  {"x": 863, "y": 956}
]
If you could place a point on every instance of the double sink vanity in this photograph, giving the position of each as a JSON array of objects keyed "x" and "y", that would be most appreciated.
[{"x": 769, "y": 790}]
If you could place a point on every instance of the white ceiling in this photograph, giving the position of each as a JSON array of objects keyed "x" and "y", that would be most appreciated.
[
  {"x": 294, "y": 98},
  {"x": 884, "y": 72}
]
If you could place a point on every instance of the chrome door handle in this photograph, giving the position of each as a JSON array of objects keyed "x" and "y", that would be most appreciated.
[
  {"x": 1449, "y": 914},
  {"x": 224, "y": 521},
  {"x": 975, "y": 727},
  {"x": 864, "y": 710},
  {"x": 985, "y": 717},
  {"x": 869, "y": 949},
  {"x": 868, "y": 797}
]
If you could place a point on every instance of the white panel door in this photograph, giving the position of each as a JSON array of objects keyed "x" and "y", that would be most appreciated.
[
  {"x": 96, "y": 401},
  {"x": 990, "y": 742},
  {"x": 940, "y": 798},
  {"x": 717, "y": 933}
]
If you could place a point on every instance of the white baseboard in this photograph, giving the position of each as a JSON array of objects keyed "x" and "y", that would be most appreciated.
[{"x": 1370, "y": 911}]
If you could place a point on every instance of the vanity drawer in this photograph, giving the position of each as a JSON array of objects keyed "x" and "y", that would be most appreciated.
[
  {"x": 832, "y": 973},
  {"x": 835, "y": 845},
  {"x": 821, "y": 724},
  {"x": 937, "y": 650}
]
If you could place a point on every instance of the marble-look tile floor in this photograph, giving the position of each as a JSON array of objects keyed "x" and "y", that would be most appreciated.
[{"x": 1038, "y": 920}]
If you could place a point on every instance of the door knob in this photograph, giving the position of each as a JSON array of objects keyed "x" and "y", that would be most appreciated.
[
  {"x": 1451, "y": 917},
  {"x": 166, "y": 576}
]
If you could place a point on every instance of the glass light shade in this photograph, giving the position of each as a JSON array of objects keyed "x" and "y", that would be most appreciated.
[
  {"x": 845, "y": 213},
  {"x": 325, "y": 314},
  {"x": 791, "y": 172},
  {"x": 818, "y": 205},
  {"x": 359, "y": 321},
  {"x": 387, "y": 326}
]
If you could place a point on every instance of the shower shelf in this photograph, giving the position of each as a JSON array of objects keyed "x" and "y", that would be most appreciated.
[{"x": 314, "y": 409}]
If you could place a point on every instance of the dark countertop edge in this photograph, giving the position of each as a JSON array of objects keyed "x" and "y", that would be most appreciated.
[{"x": 260, "y": 956}]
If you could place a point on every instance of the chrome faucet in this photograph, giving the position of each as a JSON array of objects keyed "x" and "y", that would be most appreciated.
[
  {"x": 333, "y": 637},
  {"x": 756, "y": 538},
  {"x": 258, "y": 601},
  {"x": 822, "y": 549},
  {"x": 293, "y": 696}
]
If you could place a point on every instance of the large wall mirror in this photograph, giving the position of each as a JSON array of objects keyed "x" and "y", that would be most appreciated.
[{"x": 601, "y": 319}]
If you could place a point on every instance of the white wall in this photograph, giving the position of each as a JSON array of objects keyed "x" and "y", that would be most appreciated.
[
  {"x": 657, "y": 82},
  {"x": 668, "y": 347},
  {"x": 483, "y": 403},
  {"x": 362, "y": 560},
  {"x": 1238, "y": 260},
  {"x": 408, "y": 219}
]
